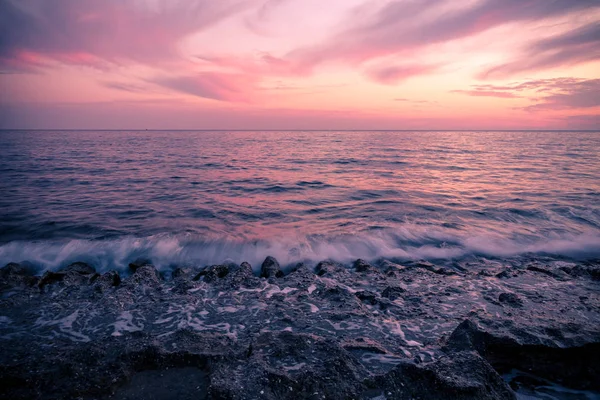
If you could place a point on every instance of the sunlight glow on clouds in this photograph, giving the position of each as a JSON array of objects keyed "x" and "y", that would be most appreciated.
[{"x": 300, "y": 64}]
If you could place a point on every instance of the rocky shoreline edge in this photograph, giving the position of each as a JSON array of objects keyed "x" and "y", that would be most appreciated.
[{"x": 383, "y": 331}]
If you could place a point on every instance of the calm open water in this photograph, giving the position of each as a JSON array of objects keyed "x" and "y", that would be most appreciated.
[{"x": 108, "y": 197}]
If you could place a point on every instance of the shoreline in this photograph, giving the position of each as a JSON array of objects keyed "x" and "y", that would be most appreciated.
[{"x": 416, "y": 330}]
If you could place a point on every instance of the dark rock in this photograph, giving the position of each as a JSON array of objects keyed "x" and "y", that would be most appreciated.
[
  {"x": 145, "y": 275},
  {"x": 50, "y": 278},
  {"x": 510, "y": 299},
  {"x": 430, "y": 267},
  {"x": 575, "y": 366},
  {"x": 290, "y": 366},
  {"x": 366, "y": 297},
  {"x": 270, "y": 268},
  {"x": 392, "y": 269},
  {"x": 107, "y": 280},
  {"x": 361, "y": 265},
  {"x": 583, "y": 271},
  {"x": 138, "y": 263},
  {"x": 79, "y": 268},
  {"x": 392, "y": 292},
  {"x": 180, "y": 272},
  {"x": 13, "y": 274},
  {"x": 212, "y": 273},
  {"x": 329, "y": 268},
  {"x": 463, "y": 376},
  {"x": 558, "y": 274}
]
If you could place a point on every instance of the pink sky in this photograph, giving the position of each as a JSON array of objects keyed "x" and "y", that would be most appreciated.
[{"x": 300, "y": 64}]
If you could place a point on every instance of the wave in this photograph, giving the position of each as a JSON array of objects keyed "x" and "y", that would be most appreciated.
[{"x": 406, "y": 243}]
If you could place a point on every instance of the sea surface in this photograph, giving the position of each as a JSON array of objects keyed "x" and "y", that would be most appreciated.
[{"x": 204, "y": 197}]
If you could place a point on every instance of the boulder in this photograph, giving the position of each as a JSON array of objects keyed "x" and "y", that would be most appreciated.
[
  {"x": 510, "y": 299},
  {"x": 462, "y": 376},
  {"x": 212, "y": 273},
  {"x": 392, "y": 292},
  {"x": 270, "y": 268}
]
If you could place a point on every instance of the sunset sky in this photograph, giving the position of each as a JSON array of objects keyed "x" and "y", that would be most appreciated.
[{"x": 300, "y": 64}]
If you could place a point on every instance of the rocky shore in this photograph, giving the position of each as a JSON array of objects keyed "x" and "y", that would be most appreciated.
[{"x": 487, "y": 330}]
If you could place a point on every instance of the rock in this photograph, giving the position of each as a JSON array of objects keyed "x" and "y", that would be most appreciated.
[
  {"x": 558, "y": 274},
  {"x": 270, "y": 268},
  {"x": 212, "y": 273},
  {"x": 13, "y": 274},
  {"x": 510, "y": 299},
  {"x": 392, "y": 269},
  {"x": 430, "y": 267},
  {"x": 462, "y": 376},
  {"x": 392, "y": 292},
  {"x": 366, "y": 297},
  {"x": 50, "y": 278},
  {"x": 140, "y": 262},
  {"x": 575, "y": 366},
  {"x": 79, "y": 268},
  {"x": 107, "y": 280},
  {"x": 361, "y": 265},
  {"x": 180, "y": 272},
  {"x": 583, "y": 271},
  {"x": 287, "y": 365},
  {"x": 329, "y": 268},
  {"x": 146, "y": 275}
]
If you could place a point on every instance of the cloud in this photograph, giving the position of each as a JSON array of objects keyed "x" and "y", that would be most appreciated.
[
  {"x": 577, "y": 94},
  {"x": 573, "y": 47},
  {"x": 398, "y": 73},
  {"x": 405, "y": 26},
  {"x": 125, "y": 87},
  {"x": 482, "y": 92},
  {"x": 90, "y": 32},
  {"x": 235, "y": 88},
  {"x": 548, "y": 94}
]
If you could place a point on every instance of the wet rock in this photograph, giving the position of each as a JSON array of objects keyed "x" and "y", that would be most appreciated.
[
  {"x": 270, "y": 268},
  {"x": 583, "y": 271},
  {"x": 181, "y": 272},
  {"x": 212, "y": 273},
  {"x": 50, "y": 278},
  {"x": 13, "y": 274},
  {"x": 79, "y": 268},
  {"x": 557, "y": 274},
  {"x": 432, "y": 268},
  {"x": 392, "y": 269},
  {"x": 138, "y": 263},
  {"x": 463, "y": 376},
  {"x": 290, "y": 366},
  {"x": 107, "y": 280},
  {"x": 510, "y": 299},
  {"x": 145, "y": 275},
  {"x": 329, "y": 268},
  {"x": 575, "y": 366},
  {"x": 393, "y": 292},
  {"x": 366, "y": 297},
  {"x": 361, "y": 265}
]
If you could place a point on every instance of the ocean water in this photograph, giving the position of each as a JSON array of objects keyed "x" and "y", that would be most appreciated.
[{"x": 204, "y": 197}]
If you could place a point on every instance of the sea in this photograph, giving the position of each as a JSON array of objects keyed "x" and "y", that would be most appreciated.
[{"x": 198, "y": 198}]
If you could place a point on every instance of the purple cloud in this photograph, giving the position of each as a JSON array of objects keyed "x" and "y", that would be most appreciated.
[
  {"x": 573, "y": 47},
  {"x": 405, "y": 26},
  {"x": 84, "y": 31},
  {"x": 552, "y": 94},
  {"x": 397, "y": 73},
  {"x": 210, "y": 85}
]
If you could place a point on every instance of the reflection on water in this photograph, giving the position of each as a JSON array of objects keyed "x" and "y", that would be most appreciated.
[{"x": 408, "y": 194}]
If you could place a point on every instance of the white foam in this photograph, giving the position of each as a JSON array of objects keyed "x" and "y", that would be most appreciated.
[
  {"x": 125, "y": 323},
  {"x": 406, "y": 242}
]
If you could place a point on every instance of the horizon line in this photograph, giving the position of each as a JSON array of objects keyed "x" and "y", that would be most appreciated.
[{"x": 296, "y": 130}]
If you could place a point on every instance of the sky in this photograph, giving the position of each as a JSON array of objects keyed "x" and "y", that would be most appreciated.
[{"x": 300, "y": 64}]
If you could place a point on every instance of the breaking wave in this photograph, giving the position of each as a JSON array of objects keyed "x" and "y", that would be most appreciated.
[{"x": 167, "y": 251}]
